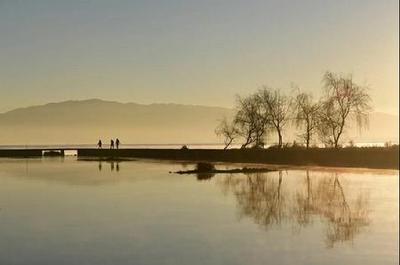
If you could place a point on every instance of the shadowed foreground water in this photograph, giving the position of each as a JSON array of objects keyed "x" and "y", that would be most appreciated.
[{"x": 63, "y": 211}]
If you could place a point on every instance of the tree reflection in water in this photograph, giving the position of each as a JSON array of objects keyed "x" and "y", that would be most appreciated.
[
  {"x": 266, "y": 199},
  {"x": 258, "y": 196},
  {"x": 344, "y": 220}
]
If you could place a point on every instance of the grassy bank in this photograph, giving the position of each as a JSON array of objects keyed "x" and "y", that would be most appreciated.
[{"x": 367, "y": 157}]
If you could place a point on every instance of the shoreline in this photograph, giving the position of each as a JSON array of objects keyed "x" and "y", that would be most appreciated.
[{"x": 354, "y": 157}]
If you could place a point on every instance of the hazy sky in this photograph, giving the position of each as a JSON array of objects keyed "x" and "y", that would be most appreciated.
[{"x": 194, "y": 52}]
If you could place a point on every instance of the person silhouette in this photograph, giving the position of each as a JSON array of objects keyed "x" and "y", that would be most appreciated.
[
  {"x": 99, "y": 144},
  {"x": 117, "y": 143},
  {"x": 112, "y": 144}
]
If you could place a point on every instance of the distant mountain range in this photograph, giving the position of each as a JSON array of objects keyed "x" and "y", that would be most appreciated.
[{"x": 85, "y": 121}]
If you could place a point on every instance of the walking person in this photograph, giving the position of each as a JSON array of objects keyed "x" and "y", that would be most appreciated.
[
  {"x": 99, "y": 144},
  {"x": 117, "y": 142},
  {"x": 112, "y": 144}
]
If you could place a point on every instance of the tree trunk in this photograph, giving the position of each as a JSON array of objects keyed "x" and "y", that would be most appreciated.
[
  {"x": 247, "y": 140},
  {"x": 228, "y": 144},
  {"x": 336, "y": 141},
  {"x": 280, "y": 138},
  {"x": 339, "y": 133}
]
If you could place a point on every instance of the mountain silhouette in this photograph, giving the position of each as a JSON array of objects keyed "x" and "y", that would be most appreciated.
[{"x": 85, "y": 121}]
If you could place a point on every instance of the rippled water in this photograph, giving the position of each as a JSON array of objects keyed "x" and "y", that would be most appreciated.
[{"x": 63, "y": 211}]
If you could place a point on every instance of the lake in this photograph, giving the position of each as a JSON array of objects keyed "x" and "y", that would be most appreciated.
[{"x": 65, "y": 211}]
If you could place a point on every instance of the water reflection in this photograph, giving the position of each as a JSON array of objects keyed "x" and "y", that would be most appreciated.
[
  {"x": 258, "y": 196},
  {"x": 71, "y": 210},
  {"x": 204, "y": 176},
  {"x": 269, "y": 201},
  {"x": 113, "y": 165}
]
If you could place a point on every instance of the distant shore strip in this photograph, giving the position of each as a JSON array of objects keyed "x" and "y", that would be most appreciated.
[{"x": 366, "y": 157}]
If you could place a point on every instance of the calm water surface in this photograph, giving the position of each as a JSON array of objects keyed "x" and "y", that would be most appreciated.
[{"x": 63, "y": 211}]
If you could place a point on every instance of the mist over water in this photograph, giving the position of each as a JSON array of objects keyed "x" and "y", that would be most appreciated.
[{"x": 64, "y": 211}]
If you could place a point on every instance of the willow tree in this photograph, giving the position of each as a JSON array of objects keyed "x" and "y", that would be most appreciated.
[
  {"x": 228, "y": 131},
  {"x": 249, "y": 122},
  {"x": 276, "y": 109},
  {"x": 306, "y": 116},
  {"x": 343, "y": 99}
]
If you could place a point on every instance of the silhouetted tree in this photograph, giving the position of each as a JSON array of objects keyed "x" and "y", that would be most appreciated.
[
  {"x": 249, "y": 121},
  {"x": 306, "y": 116},
  {"x": 276, "y": 109},
  {"x": 269, "y": 109},
  {"x": 228, "y": 131},
  {"x": 343, "y": 98}
]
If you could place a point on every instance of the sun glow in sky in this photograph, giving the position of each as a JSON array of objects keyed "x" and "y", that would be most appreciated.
[{"x": 192, "y": 52}]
